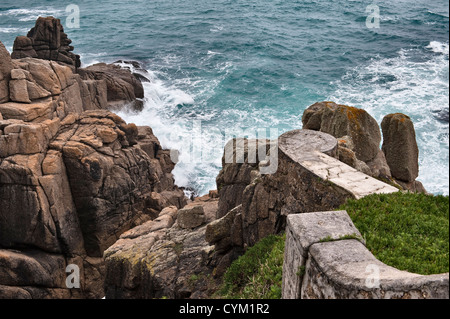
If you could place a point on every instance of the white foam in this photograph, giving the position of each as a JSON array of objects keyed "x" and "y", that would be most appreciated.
[
  {"x": 417, "y": 89},
  {"x": 32, "y": 14},
  {"x": 216, "y": 28},
  {"x": 184, "y": 121},
  {"x": 14, "y": 30},
  {"x": 161, "y": 101},
  {"x": 438, "y": 47}
]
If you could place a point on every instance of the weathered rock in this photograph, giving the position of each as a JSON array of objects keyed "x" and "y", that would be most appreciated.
[
  {"x": 47, "y": 41},
  {"x": 100, "y": 87},
  {"x": 33, "y": 112},
  {"x": 27, "y": 139},
  {"x": 307, "y": 179},
  {"x": 123, "y": 88},
  {"x": 378, "y": 167},
  {"x": 94, "y": 94},
  {"x": 222, "y": 227},
  {"x": 51, "y": 90},
  {"x": 5, "y": 73},
  {"x": 414, "y": 186},
  {"x": 154, "y": 262},
  {"x": 189, "y": 218},
  {"x": 18, "y": 91},
  {"x": 32, "y": 268},
  {"x": 342, "y": 120},
  {"x": 110, "y": 180},
  {"x": 359, "y": 147},
  {"x": 236, "y": 175},
  {"x": 71, "y": 181},
  {"x": 23, "y": 48},
  {"x": 400, "y": 146}
]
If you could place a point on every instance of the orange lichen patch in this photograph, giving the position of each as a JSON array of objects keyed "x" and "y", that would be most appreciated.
[
  {"x": 353, "y": 114},
  {"x": 399, "y": 116}
]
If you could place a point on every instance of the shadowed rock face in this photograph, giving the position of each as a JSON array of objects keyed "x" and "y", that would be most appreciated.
[
  {"x": 47, "y": 41},
  {"x": 122, "y": 87}
]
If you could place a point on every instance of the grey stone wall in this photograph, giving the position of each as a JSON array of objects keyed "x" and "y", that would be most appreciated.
[{"x": 326, "y": 258}]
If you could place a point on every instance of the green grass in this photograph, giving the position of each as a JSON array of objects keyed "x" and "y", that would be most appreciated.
[
  {"x": 405, "y": 230},
  {"x": 258, "y": 273}
]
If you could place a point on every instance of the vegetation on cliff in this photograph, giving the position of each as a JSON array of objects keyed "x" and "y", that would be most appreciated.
[
  {"x": 258, "y": 273},
  {"x": 407, "y": 231}
]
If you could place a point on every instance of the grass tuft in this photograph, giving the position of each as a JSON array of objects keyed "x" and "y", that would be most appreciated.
[
  {"x": 258, "y": 273},
  {"x": 407, "y": 231}
]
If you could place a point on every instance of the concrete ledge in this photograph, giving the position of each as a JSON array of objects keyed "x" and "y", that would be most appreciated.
[
  {"x": 317, "y": 152},
  {"x": 323, "y": 261}
]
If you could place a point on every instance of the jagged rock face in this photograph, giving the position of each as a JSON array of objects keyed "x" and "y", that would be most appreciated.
[
  {"x": 163, "y": 259},
  {"x": 111, "y": 179},
  {"x": 122, "y": 87},
  {"x": 71, "y": 180},
  {"x": 235, "y": 177},
  {"x": 264, "y": 201},
  {"x": 47, "y": 41},
  {"x": 101, "y": 86}
]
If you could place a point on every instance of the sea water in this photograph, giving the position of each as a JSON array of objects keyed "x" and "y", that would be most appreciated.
[{"x": 222, "y": 66}]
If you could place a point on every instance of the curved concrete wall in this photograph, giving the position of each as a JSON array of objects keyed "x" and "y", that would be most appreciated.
[{"x": 326, "y": 258}]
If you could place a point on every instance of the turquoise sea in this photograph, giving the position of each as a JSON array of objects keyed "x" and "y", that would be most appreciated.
[{"x": 240, "y": 66}]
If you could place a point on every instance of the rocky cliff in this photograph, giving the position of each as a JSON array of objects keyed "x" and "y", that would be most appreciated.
[
  {"x": 81, "y": 187},
  {"x": 73, "y": 175}
]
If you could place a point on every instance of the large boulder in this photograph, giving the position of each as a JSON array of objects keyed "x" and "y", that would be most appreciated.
[
  {"x": 71, "y": 181},
  {"x": 47, "y": 41},
  {"x": 342, "y": 120},
  {"x": 400, "y": 146},
  {"x": 190, "y": 218},
  {"x": 122, "y": 86}
]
